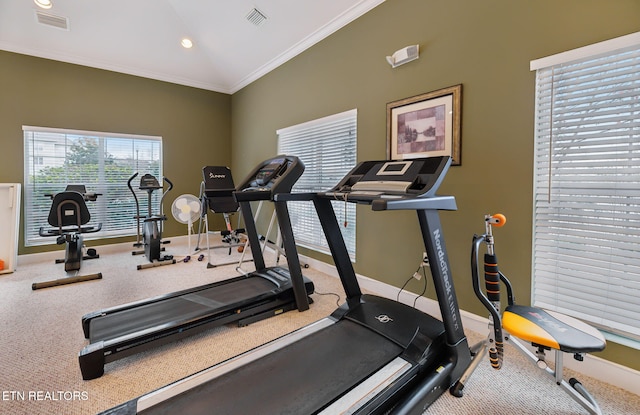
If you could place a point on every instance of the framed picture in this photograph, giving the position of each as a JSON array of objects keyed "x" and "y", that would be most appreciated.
[{"x": 425, "y": 125}]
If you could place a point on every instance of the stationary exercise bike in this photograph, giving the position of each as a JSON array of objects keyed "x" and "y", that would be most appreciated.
[
  {"x": 68, "y": 217},
  {"x": 150, "y": 226},
  {"x": 518, "y": 325}
]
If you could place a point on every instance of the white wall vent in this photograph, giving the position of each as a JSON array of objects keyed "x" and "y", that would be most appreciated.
[
  {"x": 52, "y": 20},
  {"x": 256, "y": 17}
]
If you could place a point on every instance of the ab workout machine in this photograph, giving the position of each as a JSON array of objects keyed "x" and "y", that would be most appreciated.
[{"x": 544, "y": 330}]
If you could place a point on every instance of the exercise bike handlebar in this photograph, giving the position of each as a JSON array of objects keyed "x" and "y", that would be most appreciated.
[
  {"x": 87, "y": 196},
  {"x": 168, "y": 182},
  {"x": 135, "y": 198},
  {"x": 131, "y": 179},
  {"x": 163, "y": 195}
]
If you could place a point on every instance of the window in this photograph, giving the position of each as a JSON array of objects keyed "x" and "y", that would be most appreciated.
[
  {"x": 327, "y": 147},
  {"x": 103, "y": 162},
  {"x": 586, "y": 245}
]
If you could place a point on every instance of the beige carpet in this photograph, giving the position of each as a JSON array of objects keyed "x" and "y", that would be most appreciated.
[{"x": 41, "y": 335}]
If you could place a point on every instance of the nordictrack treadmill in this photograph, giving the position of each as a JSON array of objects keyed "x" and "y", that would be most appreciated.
[
  {"x": 124, "y": 330},
  {"x": 372, "y": 355}
]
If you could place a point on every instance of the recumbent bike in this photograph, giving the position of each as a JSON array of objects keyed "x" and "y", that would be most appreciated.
[{"x": 69, "y": 217}]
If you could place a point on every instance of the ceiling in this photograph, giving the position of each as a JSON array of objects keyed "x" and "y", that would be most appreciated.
[{"x": 142, "y": 37}]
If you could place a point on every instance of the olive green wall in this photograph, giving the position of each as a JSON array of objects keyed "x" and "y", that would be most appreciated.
[
  {"x": 194, "y": 123},
  {"x": 484, "y": 45}
]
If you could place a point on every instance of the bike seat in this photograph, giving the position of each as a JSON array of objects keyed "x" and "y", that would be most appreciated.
[{"x": 552, "y": 330}]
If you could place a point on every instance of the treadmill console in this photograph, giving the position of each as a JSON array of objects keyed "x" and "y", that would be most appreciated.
[
  {"x": 393, "y": 179},
  {"x": 149, "y": 182},
  {"x": 269, "y": 172},
  {"x": 275, "y": 175}
]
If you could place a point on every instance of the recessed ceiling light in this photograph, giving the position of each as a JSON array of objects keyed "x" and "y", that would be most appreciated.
[
  {"x": 45, "y": 4},
  {"x": 186, "y": 43}
]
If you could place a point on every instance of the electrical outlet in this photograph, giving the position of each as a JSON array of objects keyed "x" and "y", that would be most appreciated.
[{"x": 425, "y": 258}]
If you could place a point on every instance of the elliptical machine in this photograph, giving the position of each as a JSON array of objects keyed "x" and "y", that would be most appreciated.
[{"x": 150, "y": 226}]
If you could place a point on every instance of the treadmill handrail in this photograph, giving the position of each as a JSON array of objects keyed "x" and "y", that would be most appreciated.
[
  {"x": 381, "y": 202},
  {"x": 416, "y": 203},
  {"x": 294, "y": 197}
]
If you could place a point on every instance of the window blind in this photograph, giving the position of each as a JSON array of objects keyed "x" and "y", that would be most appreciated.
[
  {"x": 327, "y": 147},
  {"x": 103, "y": 162},
  {"x": 586, "y": 236}
]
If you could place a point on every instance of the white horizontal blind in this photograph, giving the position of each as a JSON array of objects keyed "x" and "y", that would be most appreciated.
[
  {"x": 586, "y": 247},
  {"x": 327, "y": 147},
  {"x": 103, "y": 162}
]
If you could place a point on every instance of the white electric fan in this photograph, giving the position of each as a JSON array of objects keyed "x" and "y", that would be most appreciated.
[{"x": 186, "y": 209}]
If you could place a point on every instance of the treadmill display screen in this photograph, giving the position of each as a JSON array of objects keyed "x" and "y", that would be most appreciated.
[
  {"x": 268, "y": 172},
  {"x": 394, "y": 168}
]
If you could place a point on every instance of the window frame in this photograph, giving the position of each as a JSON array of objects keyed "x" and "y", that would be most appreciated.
[
  {"x": 117, "y": 215},
  {"x": 323, "y": 170},
  {"x": 567, "y": 277}
]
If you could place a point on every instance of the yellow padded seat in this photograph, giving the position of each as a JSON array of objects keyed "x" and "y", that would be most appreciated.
[{"x": 553, "y": 330}]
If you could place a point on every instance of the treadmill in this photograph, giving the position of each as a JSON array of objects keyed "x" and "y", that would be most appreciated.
[
  {"x": 372, "y": 355},
  {"x": 127, "y": 329}
]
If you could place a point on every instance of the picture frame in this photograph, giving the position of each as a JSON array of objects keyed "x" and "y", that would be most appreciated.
[{"x": 426, "y": 125}]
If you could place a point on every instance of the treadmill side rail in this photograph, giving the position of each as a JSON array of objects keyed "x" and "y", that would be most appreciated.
[
  {"x": 367, "y": 390},
  {"x": 176, "y": 388}
]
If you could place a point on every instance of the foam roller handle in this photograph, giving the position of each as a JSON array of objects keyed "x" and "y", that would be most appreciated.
[
  {"x": 491, "y": 277},
  {"x": 495, "y": 359}
]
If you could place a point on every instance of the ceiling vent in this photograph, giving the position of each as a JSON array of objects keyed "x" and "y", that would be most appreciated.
[
  {"x": 52, "y": 20},
  {"x": 256, "y": 17}
]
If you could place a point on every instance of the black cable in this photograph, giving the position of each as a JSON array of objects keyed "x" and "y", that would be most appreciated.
[
  {"x": 334, "y": 294},
  {"x": 404, "y": 285},
  {"x": 424, "y": 289}
]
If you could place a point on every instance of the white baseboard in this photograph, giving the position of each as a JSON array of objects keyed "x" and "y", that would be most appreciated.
[{"x": 595, "y": 367}]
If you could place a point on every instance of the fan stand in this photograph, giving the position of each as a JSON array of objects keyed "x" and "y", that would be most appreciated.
[
  {"x": 187, "y": 257},
  {"x": 184, "y": 205}
]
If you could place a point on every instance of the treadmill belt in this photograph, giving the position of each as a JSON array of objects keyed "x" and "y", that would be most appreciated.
[
  {"x": 301, "y": 378},
  {"x": 177, "y": 309}
]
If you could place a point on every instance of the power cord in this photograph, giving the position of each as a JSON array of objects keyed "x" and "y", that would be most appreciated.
[
  {"x": 417, "y": 276},
  {"x": 424, "y": 288},
  {"x": 332, "y": 294}
]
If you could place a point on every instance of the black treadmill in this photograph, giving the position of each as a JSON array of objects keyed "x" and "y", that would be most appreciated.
[
  {"x": 372, "y": 355},
  {"x": 124, "y": 330}
]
